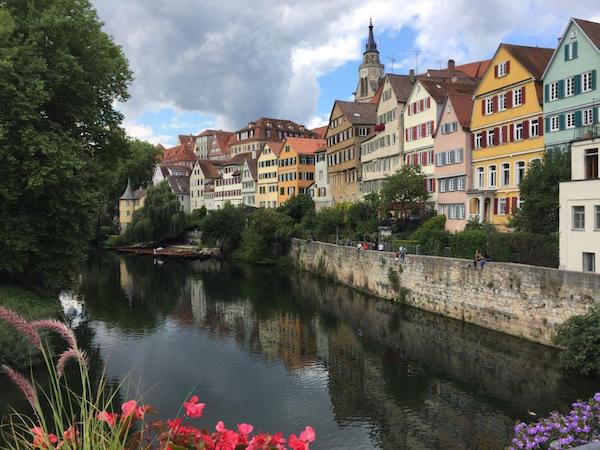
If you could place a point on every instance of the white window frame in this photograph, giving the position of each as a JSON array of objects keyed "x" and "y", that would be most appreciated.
[
  {"x": 502, "y": 69},
  {"x": 586, "y": 82},
  {"x": 478, "y": 139},
  {"x": 502, "y": 101},
  {"x": 518, "y": 132},
  {"x": 534, "y": 128},
  {"x": 578, "y": 218},
  {"x": 490, "y": 138},
  {"x": 502, "y": 206},
  {"x": 505, "y": 174},
  {"x": 489, "y": 106},
  {"x": 570, "y": 120},
  {"x": 517, "y": 94},
  {"x": 492, "y": 176},
  {"x": 480, "y": 176},
  {"x": 554, "y": 123},
  {"x": 553, "y": 91},
  {"x": 569, "y": 86},
  {"x": 460, "y": 184},
  {"x": 518, "y": 168},
  {"x": 587, "y": 116}
]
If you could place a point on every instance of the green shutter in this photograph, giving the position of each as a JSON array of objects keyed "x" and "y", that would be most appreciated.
[
  {"x": 566, "y": 48},
  {"x": 595, "y": 115},
  {"x": 577, "y": 118},
  {"x": 577, "y": 84},
  {"x": 574, "y": 49},
  {"x": 593, "y": 79},
  {"x": 547, "y": 124},
  {"x": 546, "y": 93},
  {"x": 561, "y": 122},
  {"x": 561, "y": 88}
]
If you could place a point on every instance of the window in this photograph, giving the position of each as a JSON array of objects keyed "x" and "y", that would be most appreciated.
[
  {"x": 570, "y": 120},
  {"x": 519, "y": 171},
  {"x": 502, "y": 205},
  {"x": 518, "y": 135},
  {"x": 534, "y": 128},
  {"x": 492, "y": 176},
  {"x": 586, "y": 82},
  {"x": 489, "y": 106},
  {"x": 490, "y": 138},
  {"x": 505, "y": 174},
  {"x": 589, "y": 262},
  {"x": 480, "y": 177},
  {"x": 578, "y": 217},
  {"x": 553, "y": 91},
  {"x": 477, "y": 140},
  {"x": 571, "y": 51},
  {"x": 502, "y": 69},
  {"x": 363, "y": 131},
  {"x": 588, "y": 117},
  {"x": 554, "y": 123},
  {"x": 460, "y": 184},
  {"x": 502, "y": 102},
  {"x": 591, "y": 164},
  {"x": 597, "y": 217},
  {"x": 518, "y": 96},
  {"x": 570, "y": 86}
]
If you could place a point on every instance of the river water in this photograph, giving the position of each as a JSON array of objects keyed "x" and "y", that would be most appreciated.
[{"x": 282, "y": 349}]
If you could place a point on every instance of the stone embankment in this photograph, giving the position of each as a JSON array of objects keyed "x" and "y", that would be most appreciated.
[{"x": 525, "y": 301}]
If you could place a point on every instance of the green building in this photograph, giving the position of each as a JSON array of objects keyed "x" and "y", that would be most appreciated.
[{"x": 571, "y": 93}]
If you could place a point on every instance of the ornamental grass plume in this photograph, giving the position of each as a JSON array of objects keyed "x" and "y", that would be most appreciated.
[
  {"x": 21, "y": 325},
  {"x": 58, "y": 327},
  {"x": 23, "y": 384},
  {"x": 71, "y": 353}
]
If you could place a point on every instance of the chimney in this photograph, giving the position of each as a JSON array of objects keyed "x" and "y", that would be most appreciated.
[
  {"x": 411, "y": 75},
  {"x": 451, "y": 67}
]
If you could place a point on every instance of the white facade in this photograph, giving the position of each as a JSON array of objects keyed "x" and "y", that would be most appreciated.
[
  {"x": 248, "y": 184},
  {"x": 580, "y": 210},
  {"x": 228, "y": 187},
  {"x": 381, "y": 154},
  {"x": 319, "y": 190}
]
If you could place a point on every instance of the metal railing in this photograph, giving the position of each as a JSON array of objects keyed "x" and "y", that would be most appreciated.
[{"x": 586, "y": 132}]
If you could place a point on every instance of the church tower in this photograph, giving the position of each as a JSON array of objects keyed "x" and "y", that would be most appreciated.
[{"x": 370, "y": 72}]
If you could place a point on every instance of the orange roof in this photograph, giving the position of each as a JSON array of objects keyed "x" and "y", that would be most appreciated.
[
  {"x": 305, "y": 146},
  {"x": 320, "y": 131},
  {"x": 475, "y": 69},
  {"x": 179, "y": 153},
  {"x": 275, "y": 146}
]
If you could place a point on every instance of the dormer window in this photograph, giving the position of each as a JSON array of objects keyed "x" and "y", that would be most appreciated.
[
  {"x": 573, "y": 34},
  {"x": 502, "y": 69},
  {"x": 571, "y": 51}
]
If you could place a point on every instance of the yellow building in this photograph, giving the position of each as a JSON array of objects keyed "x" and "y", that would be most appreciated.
[
  {"x": 266, "y": 192},
  {"x": 129, "y": 202},
  {"x": 296, "y": 166},
  {"x": 507, "y": 130}
]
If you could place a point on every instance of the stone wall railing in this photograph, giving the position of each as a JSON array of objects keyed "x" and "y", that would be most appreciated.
[{"x": 525, "y": 301}]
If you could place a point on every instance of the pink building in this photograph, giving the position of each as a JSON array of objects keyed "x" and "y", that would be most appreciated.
[{"x": 452, "y": 153}]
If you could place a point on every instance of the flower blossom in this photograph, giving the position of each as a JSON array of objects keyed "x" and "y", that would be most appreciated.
[
  {"x": 107, "y": 417},
  {"x": 41, "y": 439},
  {"x": 193, "y": 409}
]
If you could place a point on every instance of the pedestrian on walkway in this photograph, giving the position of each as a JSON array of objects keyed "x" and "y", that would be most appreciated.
[{"x": 476, "y": 259}]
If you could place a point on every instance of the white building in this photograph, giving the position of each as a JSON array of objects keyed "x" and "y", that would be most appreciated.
[
  {"x": 228, "y": 187},
  {"x": 202, "y": 184},
  {"x": 319, "y": 190},
  {"x": 178, "y": 178},
  {"x": 249, "y": 179},
  {"x": 580, "y": 207}
]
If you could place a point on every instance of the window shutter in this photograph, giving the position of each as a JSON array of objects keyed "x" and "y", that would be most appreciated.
[
  {"x": 406, "y": 135},
  {"x": 523, "y": 95},
  {"x": 514, "y": 203},
  {"x": 546, "y": 93},
  {"x": 495, "y": 206},
  {"x": 423, "y": 129},
  {"x": 507, "y": 67},
  {"x": 472, "y": 141},
  {"x": 496, "y": 136},
  {"x": 495, "y": 103},
  {"x": 547, "y": 124},
  {"x": 483, "y": 107},
  {"x": 574, "y": 49},
  {"x": 540, "y": 126},
  {"x": 415, "y": 159},
  {"x": 510, "y": 137},
  {"x": 577, "y": 84},
  {"x": 566, "y": 47},
  {"x": 526, "y": 129},
  {"x": 428, "y": 102},
  {"x": 496, "y": 71},
  {"x": 595, "y": 115},
  {"x": 561, "y": 88},
  {"x": 433, "y": 185},
  {"x": 509, "y": 99},
  {"x": 407, "y": 159},
  {"x": 577, "y": 118},
  {"x": 593, "y": 79},
  {"x": 507, "y": 210},
  {"x": 505, "y": 134},
  {"x": 483, "y": 139},
  {"x": 561, "y": 122},
  {"x": 431, "y": 126}
]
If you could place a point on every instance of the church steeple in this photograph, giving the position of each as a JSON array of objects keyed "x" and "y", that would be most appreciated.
[{"x": 371, "y": 45}]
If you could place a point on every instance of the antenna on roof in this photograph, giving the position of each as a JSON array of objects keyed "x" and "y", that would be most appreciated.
[
  {"x": 416, "y": 53},
  {"x": 439, "y": 61},
  {"x": 392, "y": 61}
]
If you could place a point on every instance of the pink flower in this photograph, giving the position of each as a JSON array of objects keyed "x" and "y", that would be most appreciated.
[
  {"x": 70, "y": 434},
  {"x": 245, "y": 428},
  {"x": 128, "y": 408},
  {"x": 220, "y": 426},
  {"x": 302, "y": 443},
  {"x": 140, "y": 411},
  {"x": 193, "y": 409},
  {"x": 41, "y": 440},
  {"x": 308, "y": 435},
  {"x": 107, "y": 417}
]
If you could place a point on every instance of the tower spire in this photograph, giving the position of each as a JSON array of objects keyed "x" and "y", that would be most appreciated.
[{"x": 371, "y": 45}]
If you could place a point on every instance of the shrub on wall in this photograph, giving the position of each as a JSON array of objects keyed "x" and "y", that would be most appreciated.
[
  {"x": 465, "y": 243},
  {"x": 524, "y": 248},
  {"x": 580, "y": 336}
]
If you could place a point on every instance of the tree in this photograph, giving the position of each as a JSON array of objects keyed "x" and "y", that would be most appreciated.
[
  {"x": 404, "y": 191},
  {"x": 580, "y": 337},
  {"x": 160, "y": 218},
  {"x": 297, "y": 207},
  {"x": 539, "y": 194},
  {"x": 224, "y": 226},
  {"x": 267, "y": 237},
  {"x": 60, "y": 136},
  {"x": 137, "y": 165}
]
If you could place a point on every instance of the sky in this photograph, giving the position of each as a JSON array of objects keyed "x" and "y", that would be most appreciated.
[{"x": 222, "y": 63}]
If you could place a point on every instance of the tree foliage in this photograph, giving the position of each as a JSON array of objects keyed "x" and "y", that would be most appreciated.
[
  {"x": 224, "y": 227},
  {"x": 267, "y": 237},
  {"x": 159, "y": 219},
  {"x": 580, "y": 336},
  {"x": 404, "y": 191},
  {"x": 539, "y": 192},
  {"x": 60, "y": 136},
  {"x": 297, "y": 207}
]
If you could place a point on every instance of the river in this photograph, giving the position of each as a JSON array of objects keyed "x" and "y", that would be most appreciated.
[{"x": 281, "y": 349}]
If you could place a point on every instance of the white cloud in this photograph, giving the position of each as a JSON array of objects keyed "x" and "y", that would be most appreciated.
[
  {"x": 237, "y": 61},
  {"x": 146, "y": 133}
]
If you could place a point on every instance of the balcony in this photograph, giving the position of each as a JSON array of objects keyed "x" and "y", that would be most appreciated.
[{"x": 586, "y": 132}]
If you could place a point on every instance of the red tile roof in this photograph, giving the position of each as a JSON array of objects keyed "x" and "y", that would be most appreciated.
[
  {"x": 275, "y": 146},
  {"x": 474, "y": 69},
  {"x": 591, "y": 29},
  {"x": 179, "y": 153},
  {"x": 305, "y": 146},
  {"x": 358, "y": 113},
  {"x": 320, "y": 131},
  {"x": 401, "y": 85},
  {"x": 534, "y": 59},
  {"x": 439, "y": 88},
  {"x": 463, "y": 107},
  {"x": 209, "y": 169}
]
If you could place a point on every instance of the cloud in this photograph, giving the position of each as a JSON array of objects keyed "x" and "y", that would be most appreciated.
[
  {"x": 146, "y": 133},
  {"x": 236, "y": 61}
]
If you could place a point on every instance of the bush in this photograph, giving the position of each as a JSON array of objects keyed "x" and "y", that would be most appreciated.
[
  {"x": 267, "y": 237},
  {"x": 524, "y": 248},
  {"x": 580, "y": 337},
  {"x": 431, "y": 236},
  {"x": 465, "y": 243},
  {"x": 326, "y": 222},
  {"x": 436, "y": 223},
  {"x": 224, "y": 227},
  {"x": 297, "y": 207},
  {"x": 196, "y": 217}
]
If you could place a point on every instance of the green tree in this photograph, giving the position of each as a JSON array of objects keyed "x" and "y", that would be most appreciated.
[
  {"x": 137, "y": 165},
  {"x": 160, "y": 218},
  {"x": 580, "y": 337},
  {"x": 539, "y": 193},
  {"x": 326, "y": 223},
  {"x": 60, "y": 136},
  {"x": 297, "y": 207},
  {"x": 404, "y": 191},
  {"x": 196, "y": 217},
  {"x": 267, "y": 237},
  {"x": 224, "y": 226}
]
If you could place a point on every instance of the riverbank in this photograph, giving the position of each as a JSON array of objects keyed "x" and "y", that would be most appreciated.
[
  {"x": 172, "y": 251},
  {"x": 525, "y": 301}
]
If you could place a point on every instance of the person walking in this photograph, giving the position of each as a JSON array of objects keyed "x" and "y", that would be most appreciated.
[
  {"x": 402, "y": 253},
  {"x": 476, "y": 259}
]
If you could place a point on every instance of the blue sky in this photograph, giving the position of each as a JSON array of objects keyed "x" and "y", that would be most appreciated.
[{"x": 293, "y": 59}]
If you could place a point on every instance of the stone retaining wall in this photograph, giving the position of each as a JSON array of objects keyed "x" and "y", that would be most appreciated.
[{"x": 525, "y": 301}]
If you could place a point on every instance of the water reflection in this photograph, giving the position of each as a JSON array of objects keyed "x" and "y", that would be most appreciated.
[{"x": 284, "y": 350}]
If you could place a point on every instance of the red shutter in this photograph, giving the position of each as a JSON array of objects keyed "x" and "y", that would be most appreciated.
[
  {"x": 422, "y": 105},
  {"x": 540, "y": 126},
  {"x": 509, "y": 99},
  {"x": 507, "y": 205},
  {"x": 407, "y": 159},
  {"x": 507, "y": 67},
  {"x": 433, "y": 185},
  {"x": 430, "y": 156},
  {"x": 423, "y": 129},
  {"x": 495, "y": 103},
  {"x": 495, "y": 206},
  {"x": 526, "y": 129},
  {"x": 505, "y": 134},
  {"x": 432, "y": 125},
  {"x": 483, "y": 107},
  {"x": 496, "y": 136},
  {"x": 472, "y": 140},
  {"x": 514, "y": 203},
  {"x": 483, "y": 139},
  {"x": 511, "y": 133},
  {"x": 409, "y": 109},
  {"x": 428, "y": 102},
  {"x": 496, "y": 71},
  {"x": 523, "y": 95},
  {"x": 406, "y": 134},
  {"x": 415, "y": 159}
]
